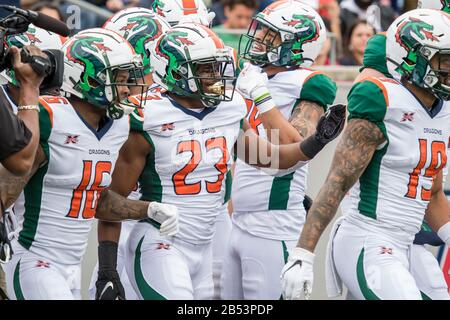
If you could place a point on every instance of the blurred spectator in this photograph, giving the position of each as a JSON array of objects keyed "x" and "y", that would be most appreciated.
[
  {"x": 26, "y": 4},
  {"x": 330, "y": 11},
  {"x": 117, "y": 5},
  {"x": 50, "y": 8},
  {"x": 323, "y": 59},
  {"x": 238, "y": 15},
  {"x": 218, "y": 8},
  {"x": 356, "y": 43},
  {"x": 378, "y": 15}
]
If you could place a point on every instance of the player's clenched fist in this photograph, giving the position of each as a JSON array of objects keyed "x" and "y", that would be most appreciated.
[
  {"x": 297, "y": 275},
  {"x": 329, "y": 127},
  {"x": 166, "y": 215}
]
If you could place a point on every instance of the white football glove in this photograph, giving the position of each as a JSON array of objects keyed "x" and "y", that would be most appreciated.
[
  {"x": 166, "y": 215},
  {"x": 252, "y": 83},
  {"x": 297, "y": 275}
]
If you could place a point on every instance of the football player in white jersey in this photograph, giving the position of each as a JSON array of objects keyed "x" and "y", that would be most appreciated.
[
  {"x": 392, "y": 156},
  {"x": 424, "y": 267},
  {"x": 284, "y": 39},
  {"x": 80, "y": 138},
  {"x": 180, "y": 149},
  {"x": 140, "y": 27},
  {"x": 175, "y": 12}
]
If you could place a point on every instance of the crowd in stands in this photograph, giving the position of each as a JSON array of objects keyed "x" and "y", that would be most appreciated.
[{"x": 350, "y": 22}]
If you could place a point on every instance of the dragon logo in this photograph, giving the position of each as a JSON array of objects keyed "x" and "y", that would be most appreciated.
[
  {"x": 81, "y": 51},
  {"x": 139, "y": 31},
  {"x": 411, "y": 29},
  {"x": 175, "y": 37},
  {"x": 408, "y": 33},
  {"x": 157, "y": 6},
  {"x": 308, "y": 28}
]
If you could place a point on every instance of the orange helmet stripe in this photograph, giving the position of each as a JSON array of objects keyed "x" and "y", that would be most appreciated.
[
  {"x": 189, "y": 7},
  {"x": 273, "y": 6},
  {"x": 219, "y": 43}
]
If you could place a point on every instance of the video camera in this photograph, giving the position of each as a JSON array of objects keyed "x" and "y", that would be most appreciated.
[{"x": 52, "y": 66}]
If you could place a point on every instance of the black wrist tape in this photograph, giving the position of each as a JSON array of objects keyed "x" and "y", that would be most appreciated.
[
  {"x": 107, "y": 255},
  {"x": 311, "y": 146}
]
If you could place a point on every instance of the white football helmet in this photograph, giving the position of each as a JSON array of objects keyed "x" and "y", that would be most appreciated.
[
  {"x": 141, "y": 27},
  {"x": 443, "y": 5},
  {"x": 181, "y": 52},
  {"x": 181, "y": 11},
  {"x": 38, "y": 37},
  {"x": 91, "y": 59},
  {"x": 285, "y": 33},
  {"x": 412, "y": 40}
]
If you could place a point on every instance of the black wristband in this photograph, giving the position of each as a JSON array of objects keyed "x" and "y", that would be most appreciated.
[
  {"x": 107, "y": 255},
  {"x": 311, "y": 146}
]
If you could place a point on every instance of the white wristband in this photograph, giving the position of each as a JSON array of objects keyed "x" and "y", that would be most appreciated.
[
  {"x": 444, "y": 233},
  {"x": 263, "y": 100},
  {"x": 28, "y": 107}
]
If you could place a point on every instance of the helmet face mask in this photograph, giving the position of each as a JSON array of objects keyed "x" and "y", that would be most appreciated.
[
  {"x": 438, "y": 77},
  {"x": 205, "y": 80},
  {"x": 211, "y": 81},
  {"x": 263, "y": 45},
  {"x": 128, "y": 76}
]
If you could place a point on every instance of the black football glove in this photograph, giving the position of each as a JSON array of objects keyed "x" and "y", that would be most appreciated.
[
  {"x": 328, "y": 128},
  {"x": 5, "y": 245},
  {"x": 108, "y": 283},
  {"x": 109, "y": 286}
]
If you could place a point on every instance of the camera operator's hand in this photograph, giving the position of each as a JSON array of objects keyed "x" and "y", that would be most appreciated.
[{"x": 24, "y": 73}]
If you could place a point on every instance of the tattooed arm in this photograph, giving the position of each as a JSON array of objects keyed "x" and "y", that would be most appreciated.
[
  {"x": 353, "y": 154},
  {"x": 11, "y": 185},
  {"x": 438, "y": 211},
  {"x": 301, "y": 125},
  {"x": 259, "y": 152},
  {"x": 113, "y": 205}
]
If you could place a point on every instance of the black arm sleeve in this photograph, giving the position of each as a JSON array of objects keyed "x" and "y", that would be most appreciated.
[{"x": 14, "y": 135}]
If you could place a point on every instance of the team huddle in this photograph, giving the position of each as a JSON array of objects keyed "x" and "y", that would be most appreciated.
[{"x": 196, "y": 169}]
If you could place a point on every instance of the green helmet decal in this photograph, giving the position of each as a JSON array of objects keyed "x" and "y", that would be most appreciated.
[
  {"x": 174, "y": 57},
  {"x": 405, "y": 37},
  {"x": 308, "y": 32},
  {"x": 309, "y": 27},
  {"x": 93, "y": 66},
  {"x": 150, "y": 30},
  {"x": 445, "y": 6},
  {"x": 157, "y": 5}
]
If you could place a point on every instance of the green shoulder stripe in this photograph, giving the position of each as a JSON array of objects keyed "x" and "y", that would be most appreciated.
[
  {"x": 375, "y": 54},
  {"x": 45, "y": 126},
  {"x": 149, "y": 180},
  {"x": 368, "y": 100},
  {"x": 34, "y": 188},
  {"x": 137, "y": 120},
  {"x": 320, "y": 89}
]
